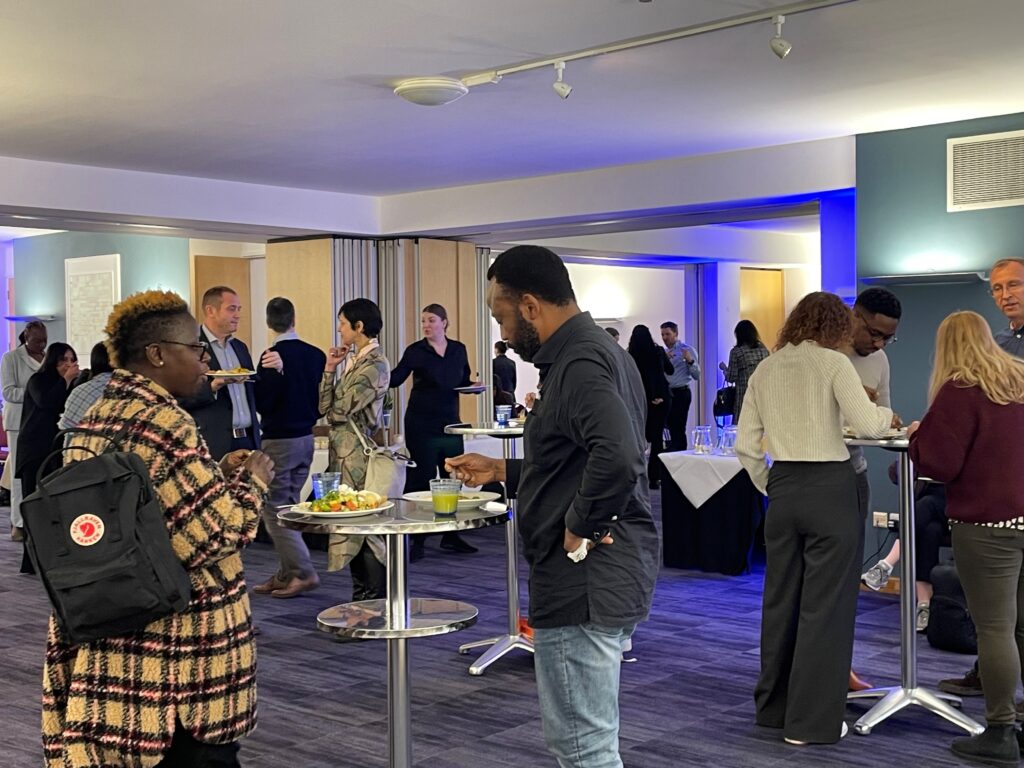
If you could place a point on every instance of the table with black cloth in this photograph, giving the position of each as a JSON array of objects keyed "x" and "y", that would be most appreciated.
[{"x": 710, "y": 511}]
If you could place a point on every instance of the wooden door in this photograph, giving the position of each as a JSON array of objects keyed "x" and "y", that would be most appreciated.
[
  {"x": 762, "y": 301},
  {"x": 233, "y": 273}
]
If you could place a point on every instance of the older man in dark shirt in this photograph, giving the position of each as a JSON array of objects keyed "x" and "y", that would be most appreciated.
[{"x": 581, "y": 484}]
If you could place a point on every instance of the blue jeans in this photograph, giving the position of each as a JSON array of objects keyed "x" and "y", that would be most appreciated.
[{"x": 577, "y": 671}]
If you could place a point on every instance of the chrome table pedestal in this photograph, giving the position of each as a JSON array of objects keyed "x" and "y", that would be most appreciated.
[
  {"x": 398, "y": 617},
  {"x": 908, "y": 692},
  {"x": 515, "y": 638}
]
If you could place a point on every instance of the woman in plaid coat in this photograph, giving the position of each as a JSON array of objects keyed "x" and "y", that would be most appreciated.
[{"x": 182, "y": 691}]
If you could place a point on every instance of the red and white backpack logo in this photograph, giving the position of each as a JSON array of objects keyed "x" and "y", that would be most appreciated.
[{"x": 86, "y": 530}]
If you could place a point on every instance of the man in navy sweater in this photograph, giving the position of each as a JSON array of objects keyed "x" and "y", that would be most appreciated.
[{"x": 287, "y": 393}]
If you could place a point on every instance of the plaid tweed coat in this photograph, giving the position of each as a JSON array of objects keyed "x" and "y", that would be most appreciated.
[{"x": 114, "y": 702}]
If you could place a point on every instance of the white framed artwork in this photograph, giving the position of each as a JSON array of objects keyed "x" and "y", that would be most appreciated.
[{"x": 92, "y": 286}]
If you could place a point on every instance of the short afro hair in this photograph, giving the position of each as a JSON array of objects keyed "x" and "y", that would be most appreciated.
[
  {"x": 534, "y": 270},
  {"x": 879, "y": 301},
  {"x": 140, "y": 320}
]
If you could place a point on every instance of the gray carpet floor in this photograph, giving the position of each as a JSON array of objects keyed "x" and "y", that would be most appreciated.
[{"x": 685, "y": 702}]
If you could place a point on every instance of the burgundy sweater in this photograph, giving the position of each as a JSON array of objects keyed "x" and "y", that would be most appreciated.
[{"x": 969, "y": 443}]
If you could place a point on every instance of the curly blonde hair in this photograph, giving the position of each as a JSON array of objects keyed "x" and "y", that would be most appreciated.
[
  {"x": 140, "y": 320},
  {"x": 819, "y": 317},
  {"x": 967, "y": 355}
]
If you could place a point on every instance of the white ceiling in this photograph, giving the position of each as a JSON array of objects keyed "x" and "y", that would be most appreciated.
[{"x": 299, "y": 93}]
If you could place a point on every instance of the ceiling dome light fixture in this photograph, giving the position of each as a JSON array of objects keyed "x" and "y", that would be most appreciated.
[
  {"x": 563, "y": 89},
  {"x": 780, "y": 46},
  {"x": 431, "y": 91}
]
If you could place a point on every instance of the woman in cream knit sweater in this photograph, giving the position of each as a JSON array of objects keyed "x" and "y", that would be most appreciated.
[{"x": 795, "y": 407}]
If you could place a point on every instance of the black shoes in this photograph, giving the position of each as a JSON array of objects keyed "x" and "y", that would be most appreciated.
[
  {"x": 455, "y": 543},
  {"x": 996, "y": 746},
  {"x": 968, "y": 685}
]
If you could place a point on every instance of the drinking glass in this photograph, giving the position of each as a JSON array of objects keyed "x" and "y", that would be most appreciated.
[
  {"x": 702, "y": 440},
  {"x": 444, "y": 492},
  {"x": 325, "y": 482},
  {"x": 503, "y": 413},
  {"x": 727, "y": 443}
]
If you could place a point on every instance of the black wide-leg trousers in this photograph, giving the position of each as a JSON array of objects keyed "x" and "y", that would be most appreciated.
[{"x": 814, "y": 537}]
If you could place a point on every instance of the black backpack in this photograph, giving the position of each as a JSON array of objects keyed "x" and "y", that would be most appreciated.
[
  {"x": 950, "y": 626},
  {"x": 98, "y": 540}
]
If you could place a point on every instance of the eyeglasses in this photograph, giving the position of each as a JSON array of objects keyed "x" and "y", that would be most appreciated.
[
  {"x": 877, "y": 335},
  {"x": 1013, "y": 286},
  {"x": 199, "y": 347}
]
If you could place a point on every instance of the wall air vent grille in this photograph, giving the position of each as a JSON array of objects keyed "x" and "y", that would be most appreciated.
[{"x": 985, "y": 171}]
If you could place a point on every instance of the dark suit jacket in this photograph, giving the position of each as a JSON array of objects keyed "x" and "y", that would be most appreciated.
[
  {"x": 45, "y": 395},
  {"x": 212, "y": 410}
]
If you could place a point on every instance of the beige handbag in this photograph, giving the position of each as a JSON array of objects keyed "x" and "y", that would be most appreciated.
[{"x": 385, "y": 468}]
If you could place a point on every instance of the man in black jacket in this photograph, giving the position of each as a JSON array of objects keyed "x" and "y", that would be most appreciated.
[
  {"x": 287, "y": 395},
  {"x": 224, "y": 411},
  {"x": 582, "y": 483}
]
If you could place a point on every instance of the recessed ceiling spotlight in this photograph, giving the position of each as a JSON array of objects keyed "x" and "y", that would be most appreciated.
[
  {"x": 431, "y": 91},
  {"x": 780, "y": 46},
  {"x": 563, "y": 89}
]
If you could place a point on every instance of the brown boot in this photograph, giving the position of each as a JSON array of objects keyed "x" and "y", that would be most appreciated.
[
  {"x": 268, "y": 586},
  {"x": 297, "y": 586}
]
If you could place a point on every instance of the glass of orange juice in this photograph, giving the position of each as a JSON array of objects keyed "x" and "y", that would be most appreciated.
[{"x": 444, "y": 493}]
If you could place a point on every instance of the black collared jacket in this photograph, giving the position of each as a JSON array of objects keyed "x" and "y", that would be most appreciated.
[{"x": 584, "y": 469}]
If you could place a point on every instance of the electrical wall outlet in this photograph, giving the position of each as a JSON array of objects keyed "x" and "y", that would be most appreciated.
[{"x": 880, "y": 519}]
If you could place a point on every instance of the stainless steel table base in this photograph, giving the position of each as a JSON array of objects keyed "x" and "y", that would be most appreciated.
[
  {"x": 398, "y": 617},
  {"x": 368, "y": 619},
  {"x": 908, "y": 692},
  {"x": 897, "y": 697},
  {"x": 499, "y": 647},
  {"x": 514, "y": 640}
]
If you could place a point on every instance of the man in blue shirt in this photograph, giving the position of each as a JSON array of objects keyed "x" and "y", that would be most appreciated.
[{"x": 684, "y": 359}]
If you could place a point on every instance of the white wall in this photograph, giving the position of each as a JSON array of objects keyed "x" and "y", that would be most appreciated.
[
  {"x": 635, "y": 295},
  {"x": 258, "y": 297},
  {"x": 7, "y": 265}
]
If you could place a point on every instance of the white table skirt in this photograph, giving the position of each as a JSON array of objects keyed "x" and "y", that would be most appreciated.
[{"x": 700, "y": 476}]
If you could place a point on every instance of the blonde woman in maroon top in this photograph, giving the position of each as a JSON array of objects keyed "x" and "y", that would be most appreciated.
[{"x": 971, "y": 430}]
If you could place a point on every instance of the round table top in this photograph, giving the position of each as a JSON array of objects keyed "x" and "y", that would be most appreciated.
[
  {"x": 404, "y": 517},
  {"x": 892, "y": 443},
  {"x": 489, "y": 428}
]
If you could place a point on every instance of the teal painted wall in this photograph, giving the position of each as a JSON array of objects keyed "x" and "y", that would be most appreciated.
[
  {"x": 902, "y": 222},
  {"x": 903, "y": 227},
  {"x": 146, "y": 262}
]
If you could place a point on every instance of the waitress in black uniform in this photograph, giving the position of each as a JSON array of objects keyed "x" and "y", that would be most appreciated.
[{"x": 438, "y": 365}]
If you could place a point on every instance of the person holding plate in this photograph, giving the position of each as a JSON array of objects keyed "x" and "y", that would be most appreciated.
[
  {"x": 354, "y": 401},
  {"x": 438, "y": 365},
  {"x": 223, "y": 409}
]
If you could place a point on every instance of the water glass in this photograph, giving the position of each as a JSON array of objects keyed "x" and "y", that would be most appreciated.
[
  {"x": 325, "y": 482},
  {"x": 503, "y": 413},
  {"x": 444, "y": 493},
  {"x": 702, "y": 440},
  {"x": 727, "y": 443}
]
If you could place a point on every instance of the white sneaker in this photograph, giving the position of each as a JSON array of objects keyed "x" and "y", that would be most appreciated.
[
  {"x": 877, "y": 576},
  {"x": 842, "y": 735},
  {"x": 924, "y": 612}
]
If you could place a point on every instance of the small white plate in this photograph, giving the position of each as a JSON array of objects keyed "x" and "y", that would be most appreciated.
[
  {"x": 473, "y": 389},
  {"x": 478, "y": 498},
  {"x": 305, "y": 508},
  {"x": 226, "y": 375}
]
